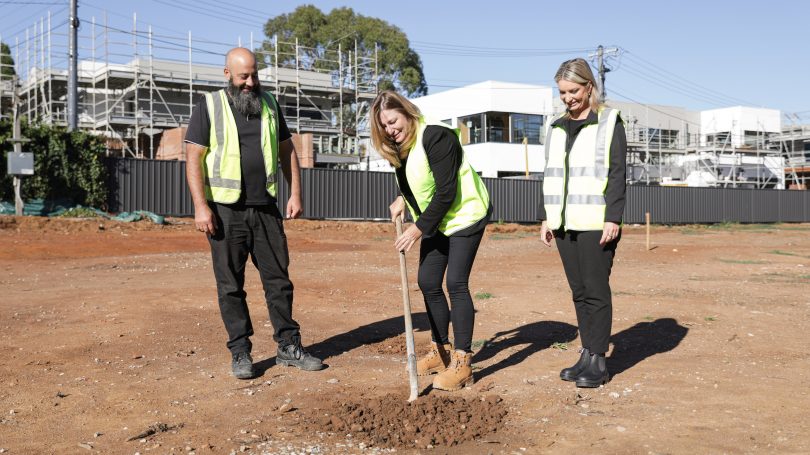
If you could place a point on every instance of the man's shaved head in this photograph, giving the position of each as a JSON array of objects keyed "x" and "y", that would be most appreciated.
[
  {"x": 239, "y": 56},
  {"x": 243, "y": 80}
]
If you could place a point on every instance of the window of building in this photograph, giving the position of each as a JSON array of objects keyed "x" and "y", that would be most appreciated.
[
  {"x": 753, "y": 138},
  {"x": 497, "y": 127},
  {"x": 667, "y": 139},
  {"x": 718, "y": 138},
  {"x": 471, "y": 127},
  {"x": 528, "y": 126}
]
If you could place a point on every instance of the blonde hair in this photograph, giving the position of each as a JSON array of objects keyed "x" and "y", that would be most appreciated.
[
  {"x": 579, "y": 71},
  {"x": 390, "y": 150}
]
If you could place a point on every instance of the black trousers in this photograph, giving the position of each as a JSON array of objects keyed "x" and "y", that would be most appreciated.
[
  {"x": 454, "y": 255},
  {"x": 587, "y": 266},
  {"x": 259, "y": 233}
]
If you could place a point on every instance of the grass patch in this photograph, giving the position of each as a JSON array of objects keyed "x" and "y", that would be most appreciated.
[
  {"x": 648, "y": 318},
  {"x": 788, "y": 253},
  {"x": 483, "y": 295},
  {"x": 784, "y": 253},
  {"x": 691, "y": 231},
  {"x": 480, "y": 344},
  {"x": 560, "y": 346},
  {"x": 710, "y": 318},
  {"x": 79, "y": 212},
  {"x": 741, "y": 261},
  {"x": 727, "y": 226}
]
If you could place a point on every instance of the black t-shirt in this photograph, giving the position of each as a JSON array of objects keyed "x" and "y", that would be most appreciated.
[
  {"x": 254, "y": 181},
  {"x": 444, "y": 154}
]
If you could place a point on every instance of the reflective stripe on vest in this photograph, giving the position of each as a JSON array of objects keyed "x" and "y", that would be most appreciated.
[
  {"x": 584, "y": 180},
  {"x": 472, "y": 198},
  {"x": 222, "y": 164}
]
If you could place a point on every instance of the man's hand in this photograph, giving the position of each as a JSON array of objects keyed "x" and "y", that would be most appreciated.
[
  {"x": 204, "y": 220},
  {"x": 294, "y": 207},
  {"x": 546, "y": 236}
]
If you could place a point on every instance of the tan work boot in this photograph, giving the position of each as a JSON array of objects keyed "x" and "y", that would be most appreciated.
[
  {"x": 435, "y": 361},
  {"x": 458, "y": 374}
]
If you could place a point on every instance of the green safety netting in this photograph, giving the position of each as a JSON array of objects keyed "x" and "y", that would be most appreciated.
[{"x": 38, "y": 207}]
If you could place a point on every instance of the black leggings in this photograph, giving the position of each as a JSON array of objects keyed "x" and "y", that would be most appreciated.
[{"x": 455, "y": 255}]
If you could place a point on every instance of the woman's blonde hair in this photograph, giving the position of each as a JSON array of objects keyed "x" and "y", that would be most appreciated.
[
  {"x": 579, "y": 71},
  {"x": 390, "y": 150}
]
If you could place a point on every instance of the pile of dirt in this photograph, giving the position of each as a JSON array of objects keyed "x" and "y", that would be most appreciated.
[
  {"x": 391, "y": 422},
  {"x": 67, "y": 225}
]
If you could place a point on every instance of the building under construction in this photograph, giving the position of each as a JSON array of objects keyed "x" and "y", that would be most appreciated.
[{"x": 138, "y": 88}]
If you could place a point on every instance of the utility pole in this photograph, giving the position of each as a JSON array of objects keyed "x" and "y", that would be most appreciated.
[
  {"x": 73, "y": 50},
  {"x": 600, "y": 55},
  {"x": 17, "y": 156}
]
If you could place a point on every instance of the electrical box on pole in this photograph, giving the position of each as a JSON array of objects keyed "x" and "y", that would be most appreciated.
[{"x": 20, "y": 163}]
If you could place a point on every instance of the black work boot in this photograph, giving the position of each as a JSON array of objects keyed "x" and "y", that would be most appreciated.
[
  {"x": 294, "y": 355},
  {"x": 570, "y": 374},
  {"x": 595, "y": 373},
  {"x": 242, "y": 366}
]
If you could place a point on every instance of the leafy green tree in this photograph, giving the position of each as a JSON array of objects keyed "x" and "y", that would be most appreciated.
[
  {"x": 6, "y": 62},
  {"x": 68, "y": 166},
  {"x": 399, "y": 67}
]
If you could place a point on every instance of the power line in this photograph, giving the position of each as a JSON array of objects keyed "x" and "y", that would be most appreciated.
[
  {"x": 31, "y": 3},
  {"x": 650, "y": 107},
  {"x": 686, "y": 82},
  {"x": 214, "y": 14}
]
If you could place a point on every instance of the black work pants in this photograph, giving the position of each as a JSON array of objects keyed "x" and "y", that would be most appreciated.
[
  {"x": 454, "y": 255},
  {"x": 258, "y": 232},
  {"x": 587, "y": 266}
]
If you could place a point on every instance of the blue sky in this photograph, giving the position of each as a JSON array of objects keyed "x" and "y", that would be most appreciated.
[{"x": 693, "y": 54}]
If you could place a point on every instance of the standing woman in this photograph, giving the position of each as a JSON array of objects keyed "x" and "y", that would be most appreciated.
[
  {"x": 583, "y": 202},
  {"x": 450, "y": 206}
]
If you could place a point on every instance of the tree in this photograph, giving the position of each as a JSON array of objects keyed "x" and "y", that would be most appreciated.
[
  {"x": 6, "y": 79},
  {"x": 6, "y": 62},
  {"x": 399, "y": 67},
  {"x": 68, "y": 166}
]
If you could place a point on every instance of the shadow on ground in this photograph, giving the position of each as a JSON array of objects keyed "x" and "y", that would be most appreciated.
[
  {"x": 644, "y": 340},
  {"x": 535, "y": 336}
]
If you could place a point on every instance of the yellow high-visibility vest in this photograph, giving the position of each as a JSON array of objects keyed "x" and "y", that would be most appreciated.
[
  {"x": 222, "y": 173},
  {"x": 472, "y": 198},
  {"x": 575, "y": 191}
]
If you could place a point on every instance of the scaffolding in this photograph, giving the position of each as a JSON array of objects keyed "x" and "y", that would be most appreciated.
[
  {"x": 134, "y": 85},
  {"x": 678, "y": 157}
]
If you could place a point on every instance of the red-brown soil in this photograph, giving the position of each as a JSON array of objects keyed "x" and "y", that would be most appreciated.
[{"x": 111, "y": 342}]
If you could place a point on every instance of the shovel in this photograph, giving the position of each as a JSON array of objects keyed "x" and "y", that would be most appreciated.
[{"x": 406, "y": 302}]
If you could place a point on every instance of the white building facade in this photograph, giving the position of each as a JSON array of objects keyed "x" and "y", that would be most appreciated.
[
  {"x": 503, "y": 126},
  {"x": 494, "y": 119}
]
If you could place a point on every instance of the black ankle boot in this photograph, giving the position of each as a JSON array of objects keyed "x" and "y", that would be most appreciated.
[
  {"x": 595, "y": 373},
  {"x": 570, "y": 374}
]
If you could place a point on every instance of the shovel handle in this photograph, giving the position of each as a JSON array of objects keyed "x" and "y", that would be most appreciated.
[{"x": 406, "y": 303}]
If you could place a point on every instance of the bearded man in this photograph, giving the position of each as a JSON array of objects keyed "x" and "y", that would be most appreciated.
[{"x": 235, "y": 140}]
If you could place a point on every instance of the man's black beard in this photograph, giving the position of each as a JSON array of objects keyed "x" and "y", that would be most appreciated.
[{"x": 249, "y": 103}]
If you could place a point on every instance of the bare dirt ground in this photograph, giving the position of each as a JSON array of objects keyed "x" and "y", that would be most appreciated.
[{"x": 111, "y": 342}]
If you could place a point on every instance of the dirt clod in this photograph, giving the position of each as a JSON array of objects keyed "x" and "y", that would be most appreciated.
[{"x": 390, "y": 421}]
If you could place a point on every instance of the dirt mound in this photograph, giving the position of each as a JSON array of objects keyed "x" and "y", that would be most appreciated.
[{"x": 390, "y": 421}]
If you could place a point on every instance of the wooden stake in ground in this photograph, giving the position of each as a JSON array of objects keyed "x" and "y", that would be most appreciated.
[
  {"x": 647, "y": 218},
  {"x": 406, "y": 303}
]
